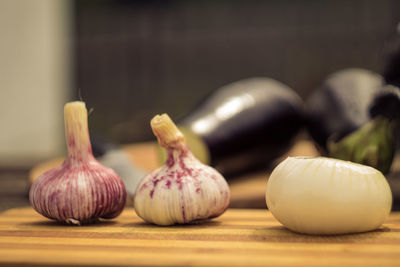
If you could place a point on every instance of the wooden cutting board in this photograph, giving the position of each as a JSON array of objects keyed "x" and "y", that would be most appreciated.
[{"x": 239, "y": 237}]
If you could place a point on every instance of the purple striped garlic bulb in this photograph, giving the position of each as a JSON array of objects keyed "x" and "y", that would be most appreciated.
[
  {"x": 81, "y": 190},
  {"x": 183, "y": 190}
]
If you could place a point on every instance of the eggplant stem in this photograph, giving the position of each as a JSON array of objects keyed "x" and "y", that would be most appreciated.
[{"x": 373, "y": 145}]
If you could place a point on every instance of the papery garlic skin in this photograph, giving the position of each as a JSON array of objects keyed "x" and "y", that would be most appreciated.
[
  {"x": 68, "y": 194},
  {"x": 183, "y": 190},
  {"x": 328, "y": 196},
  {"x": 81, "y": 190},
  {"x": 172, "y": 195}
]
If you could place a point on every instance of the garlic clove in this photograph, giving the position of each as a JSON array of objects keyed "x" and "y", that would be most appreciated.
[
  {"x": 183, "y": 190},
  {"x": 328, "y": 196},
  {"x": 81, "y": 190}
]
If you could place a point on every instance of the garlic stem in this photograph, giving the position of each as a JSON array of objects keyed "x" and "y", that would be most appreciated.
[
  {"x": 76, "y": 132},
  {"x": 168, "y": 135}
]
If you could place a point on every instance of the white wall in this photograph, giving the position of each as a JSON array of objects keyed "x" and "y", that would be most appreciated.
[{"x": 34, "y": 79}]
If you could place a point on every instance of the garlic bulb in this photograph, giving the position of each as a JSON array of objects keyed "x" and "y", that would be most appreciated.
[
  {"x": 328, "y": 196},
  {"x": 81, "y": 190},
  {"x": 183, "y": 189}
]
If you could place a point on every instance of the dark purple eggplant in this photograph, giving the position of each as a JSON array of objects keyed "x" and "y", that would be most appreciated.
[
  {"x": 246, "y": 124},
  {"x": 388, "y": 102},
  {"x": 391, "y": 72},
  {"x": 342, "y": 121}
]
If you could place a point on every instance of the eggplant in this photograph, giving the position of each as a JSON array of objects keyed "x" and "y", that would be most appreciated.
[
  {"x": 388, "y": 102},
  {"x": 344, "y": 119},
  {"x": 244, "y": 125},
  {"x": 391, "y": 72}
]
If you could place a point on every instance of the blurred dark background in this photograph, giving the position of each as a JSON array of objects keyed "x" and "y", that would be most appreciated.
[
  {"x": 138, "y": 58},
  {"x": 130, "y": 60}
]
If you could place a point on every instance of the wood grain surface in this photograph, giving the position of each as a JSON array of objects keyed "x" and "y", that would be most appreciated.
[{"x": 239, "y": 237}]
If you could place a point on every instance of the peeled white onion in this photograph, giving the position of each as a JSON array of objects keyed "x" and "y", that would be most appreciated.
[{"x": 328, "y": 196}]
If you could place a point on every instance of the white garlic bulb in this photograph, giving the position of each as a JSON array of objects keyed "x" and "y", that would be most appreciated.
[
  {"x": 183, "y": 190},
  {"x": 328, "y": 196}
]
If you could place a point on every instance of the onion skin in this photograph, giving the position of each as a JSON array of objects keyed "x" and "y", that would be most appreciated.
[
  {"x": 81, "y": 190},
  {"x": 323, "y": 196}
]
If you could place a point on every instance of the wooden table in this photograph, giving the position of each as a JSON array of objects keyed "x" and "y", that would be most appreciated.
[{"x": 239, "y": 237}]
